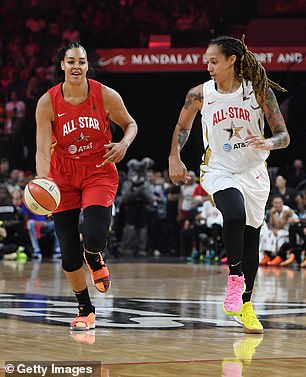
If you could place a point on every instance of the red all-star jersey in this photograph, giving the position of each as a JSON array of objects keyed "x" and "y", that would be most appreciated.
[{"x": 80, "y": 131}]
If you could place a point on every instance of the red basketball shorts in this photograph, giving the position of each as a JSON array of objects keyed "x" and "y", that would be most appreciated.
[{"x": 84, "y": 183}]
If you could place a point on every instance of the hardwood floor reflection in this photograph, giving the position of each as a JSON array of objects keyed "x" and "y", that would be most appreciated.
[{"x": 159, "y": 319}]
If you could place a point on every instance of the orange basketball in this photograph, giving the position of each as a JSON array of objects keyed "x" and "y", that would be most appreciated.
[{"x": 41, "y": 196}]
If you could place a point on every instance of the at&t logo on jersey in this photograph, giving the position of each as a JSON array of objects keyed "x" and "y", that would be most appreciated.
[
  {"x": 228, "y": 147},
  {"x": 243, "y": 144},
  {"x": 72, "y": 149}
]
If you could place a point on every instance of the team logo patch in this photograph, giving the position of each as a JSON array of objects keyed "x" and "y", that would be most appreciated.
[
  {"x": 72, "y": 149},
  {"x": 227, "y": 147},
  {"x": 82, "y": 137},
  {"x": 145, "y": 313},
  {"x": 233, "y": 131}
]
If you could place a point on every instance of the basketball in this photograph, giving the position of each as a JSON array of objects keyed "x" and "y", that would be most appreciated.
[{"x": 41, "y": 196}]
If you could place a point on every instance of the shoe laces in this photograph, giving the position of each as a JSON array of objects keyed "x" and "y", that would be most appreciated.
[{"x": 95, "y": 261}]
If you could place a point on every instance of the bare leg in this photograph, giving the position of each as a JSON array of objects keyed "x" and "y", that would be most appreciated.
[{"x": 77, "y": 279}]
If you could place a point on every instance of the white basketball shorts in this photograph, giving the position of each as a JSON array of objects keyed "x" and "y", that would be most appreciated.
[{"x": 253, "y": 184}]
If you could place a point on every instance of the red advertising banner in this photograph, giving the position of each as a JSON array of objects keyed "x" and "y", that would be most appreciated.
[
  {"x": 282, "y": 7},
  {"x": 193, "y": 59}
]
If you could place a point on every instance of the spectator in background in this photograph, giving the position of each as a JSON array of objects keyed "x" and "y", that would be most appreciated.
[
  {"x": 16, "y": 195},
  {"x": 156, "y": 215},
  {"x": 37, "y": 226},
  {"x": 210, "y": 222},
  {"x": 288, "y": 194},
  {"x": 16, "y": 176},
  {"x": 2, "y": 117},
  {"x": 187, "y": 208},
  {"x": 71, "y": 33},
  {"x": 37, "y": 84},
  {"x": 200, "y": 195},
  {"x": 15, "y": 122},
  {"x": 277, "y": 238},
  {"x": 297, "y": 233},
  {"x": 15, "y": 52},
  {"x": 173, "y": 193},
  {"x": 4, "y": 169},
  {"x": 187, "y": 204},
  {"x": 15, "y": 112},
  {"x": 135, "y": 197},
  {"x": 36, "y": 25},
  {"x": 12, "y": 221},
  {"x": 297, "y": 174}
]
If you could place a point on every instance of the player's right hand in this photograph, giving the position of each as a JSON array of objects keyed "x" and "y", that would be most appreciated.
[{"x": 178, "y": 171}]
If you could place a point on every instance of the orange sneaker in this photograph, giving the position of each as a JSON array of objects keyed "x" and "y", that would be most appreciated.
[
  {"x": 264, "y": 260},
  {"x": 100, "y": 274},
  {"x": 276, "y": 261},
  {"x": 84, "y": 320}
]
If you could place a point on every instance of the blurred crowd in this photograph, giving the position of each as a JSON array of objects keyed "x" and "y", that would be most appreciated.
[
  {"x": 154, "y": 218},
  {"x": 32, "y": 31}
]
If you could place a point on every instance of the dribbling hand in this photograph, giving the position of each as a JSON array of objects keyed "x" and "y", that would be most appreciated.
[{"x": 258, "y": 142}]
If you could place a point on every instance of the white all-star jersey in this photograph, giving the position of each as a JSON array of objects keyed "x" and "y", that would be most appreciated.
[{"x": 225, "y": 120}]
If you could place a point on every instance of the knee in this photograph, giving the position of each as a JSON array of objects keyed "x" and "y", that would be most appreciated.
[
  {"x": 95, "y": 239},
  {"x": 97, "y": 220},
  {"x": 71, "y": 264}
]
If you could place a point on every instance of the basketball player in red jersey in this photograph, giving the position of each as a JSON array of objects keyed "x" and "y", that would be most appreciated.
[{"x": 76, "y": 114}]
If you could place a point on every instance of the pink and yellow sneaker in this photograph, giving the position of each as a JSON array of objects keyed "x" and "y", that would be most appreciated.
[{"x": 233, "y": 299}]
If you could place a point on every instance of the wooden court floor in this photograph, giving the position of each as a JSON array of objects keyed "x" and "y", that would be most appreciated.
[{"x": 158, "y": 319}]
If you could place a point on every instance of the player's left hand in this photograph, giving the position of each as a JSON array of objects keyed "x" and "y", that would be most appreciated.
[
  {"x": 115, "y": 152},
  {"x": 258, "y": 142}
]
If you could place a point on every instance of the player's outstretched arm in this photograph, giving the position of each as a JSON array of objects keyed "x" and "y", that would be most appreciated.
[{"x": 193, "y": 103}]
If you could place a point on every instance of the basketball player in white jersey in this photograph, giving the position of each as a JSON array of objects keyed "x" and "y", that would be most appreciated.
[{"x": 233, "y": 105}]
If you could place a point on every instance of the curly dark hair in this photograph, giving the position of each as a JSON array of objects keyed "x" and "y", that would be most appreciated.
[{"x": 246, "y": 65}]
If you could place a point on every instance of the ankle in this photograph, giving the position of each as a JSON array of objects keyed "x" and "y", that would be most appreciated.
[
  {"x": 85, "y": 310},
  {"x": 235, "y": 269}
]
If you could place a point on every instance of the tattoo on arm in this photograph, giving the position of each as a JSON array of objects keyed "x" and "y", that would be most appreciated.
[
  {"x": 280, "y": 138},
  {"x": 182, "y": 138},
  {"x": 192, "y": 97}
]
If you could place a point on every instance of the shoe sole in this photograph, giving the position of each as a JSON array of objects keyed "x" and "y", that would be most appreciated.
[
  {"x": 252, "y": 331},
  {"x": 246, "y": 330},
  {"x": 231, "y": 314},
  {"x": 86, "y": 328}
]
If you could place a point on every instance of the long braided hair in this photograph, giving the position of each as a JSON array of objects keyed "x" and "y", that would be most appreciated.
[{"x": 246, "y": 65}]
